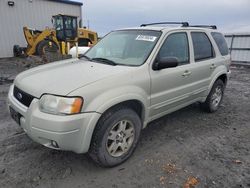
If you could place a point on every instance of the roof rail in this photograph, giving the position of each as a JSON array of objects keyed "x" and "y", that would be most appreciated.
[
  {"x": 205, "y": 26},
  {"x": 184, "y": 24}
]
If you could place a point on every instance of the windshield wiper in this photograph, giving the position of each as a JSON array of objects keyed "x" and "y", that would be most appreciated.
[
  {"x": 84, "y": 56},
  {"x": 104, "y": 60}
]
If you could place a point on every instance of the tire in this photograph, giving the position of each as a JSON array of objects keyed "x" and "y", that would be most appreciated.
[
  {"x": 115, "y": 137},
  {"x": 16, "y": 50},
  {"x": 215, "y": 97},
  {"x": 46, "y": 45}
]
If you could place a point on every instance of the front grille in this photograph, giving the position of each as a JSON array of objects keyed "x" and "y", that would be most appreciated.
[{"x": 23, "y": 97}]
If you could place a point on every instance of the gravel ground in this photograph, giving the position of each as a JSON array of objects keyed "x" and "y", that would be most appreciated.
[{"x": 187, "y": 146}]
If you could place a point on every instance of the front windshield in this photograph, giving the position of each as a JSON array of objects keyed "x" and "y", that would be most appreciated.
[{"x": 128, "y": 47}]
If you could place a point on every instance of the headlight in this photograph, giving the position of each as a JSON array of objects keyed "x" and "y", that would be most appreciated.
[{"x": 60, "y": 105}]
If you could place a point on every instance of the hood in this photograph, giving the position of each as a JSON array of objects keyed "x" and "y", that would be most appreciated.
[{"x": 62, "y": 77}]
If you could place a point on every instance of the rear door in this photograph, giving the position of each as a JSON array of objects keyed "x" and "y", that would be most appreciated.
[{"x": 204, "y": 61}]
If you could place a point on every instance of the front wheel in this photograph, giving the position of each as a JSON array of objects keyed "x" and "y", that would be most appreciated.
[
  {"x": 215, "y": 97},
  {"x": 115, "y": 137},
  {"x": 45, "y": 46}
]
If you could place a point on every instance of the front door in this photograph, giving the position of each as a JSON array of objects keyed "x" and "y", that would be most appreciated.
[{"x": 171, "y": 88}]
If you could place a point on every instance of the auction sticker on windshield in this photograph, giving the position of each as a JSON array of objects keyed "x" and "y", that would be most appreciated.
[{"x": 146, "y": 38}]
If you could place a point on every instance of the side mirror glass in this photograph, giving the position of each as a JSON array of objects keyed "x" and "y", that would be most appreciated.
[{"x": 165, "y": 62}]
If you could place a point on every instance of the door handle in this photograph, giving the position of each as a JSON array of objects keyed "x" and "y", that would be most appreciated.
[
  {"x": 186, "y": 73},
  {"x": 213, "y": 66}
]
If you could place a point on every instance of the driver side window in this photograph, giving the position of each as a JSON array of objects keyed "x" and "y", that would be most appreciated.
[{"x": 176, "y": 45}]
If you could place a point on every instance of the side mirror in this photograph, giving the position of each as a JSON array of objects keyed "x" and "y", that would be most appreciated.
[{"x": 165, "y": 62}]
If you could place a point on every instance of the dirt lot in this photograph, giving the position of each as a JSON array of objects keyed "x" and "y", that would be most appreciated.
[{"x": 211, "y": 150}]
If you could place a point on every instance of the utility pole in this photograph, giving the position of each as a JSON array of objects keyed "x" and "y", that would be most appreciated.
[{"x": 88, "y": 23}]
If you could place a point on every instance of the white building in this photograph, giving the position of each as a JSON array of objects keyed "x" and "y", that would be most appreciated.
[{"x": 35, "y": 14}]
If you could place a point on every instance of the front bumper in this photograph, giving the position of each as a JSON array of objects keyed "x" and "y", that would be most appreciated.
[{"x": 70, "y": 132}]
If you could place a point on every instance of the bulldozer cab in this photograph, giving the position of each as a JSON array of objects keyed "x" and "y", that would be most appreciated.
[{"x": 65, "y": 27}]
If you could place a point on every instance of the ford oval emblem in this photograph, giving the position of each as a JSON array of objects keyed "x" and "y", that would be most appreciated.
[{"x": 19, "y": 96}]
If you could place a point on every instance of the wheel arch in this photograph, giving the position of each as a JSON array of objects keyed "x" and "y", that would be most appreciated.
[
  {"x": 132, "y": 97},
  {"x": 220, "y": 76},
  {"x": 134, "y": 104},
  {"x": 223, "y": 77}
]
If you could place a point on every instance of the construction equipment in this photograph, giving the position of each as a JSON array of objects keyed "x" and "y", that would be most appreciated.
[
  {"x": 37, "y": 42},
  {"x": 86, "y": 37},
  {"x": 66, "y": 31},
  {"x": 64, "y": 35}
]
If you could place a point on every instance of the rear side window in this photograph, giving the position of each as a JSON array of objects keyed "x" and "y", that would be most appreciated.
[
  {"x": 176, "y": 45},
  {"x": 221, "y": 43},
  {"x": 203, "y": 48}
]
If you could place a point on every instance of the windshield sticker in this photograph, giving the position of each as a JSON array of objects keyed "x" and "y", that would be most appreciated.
[{"x": 146, "y": 38}]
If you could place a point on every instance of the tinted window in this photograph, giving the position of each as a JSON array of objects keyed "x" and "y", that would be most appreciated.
[
  {"x": 202, "y": 46},
  {"x": 221, "y": 43},
  {"x": 176, "y": 45}
]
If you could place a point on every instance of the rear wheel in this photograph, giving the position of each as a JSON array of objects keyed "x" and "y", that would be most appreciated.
[
  {"x": 215, "y": 97},
  {"x": 115, "y": 137}
]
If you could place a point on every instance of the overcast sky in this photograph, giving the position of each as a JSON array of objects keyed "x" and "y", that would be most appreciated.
[{"x": 107, "y": 15}]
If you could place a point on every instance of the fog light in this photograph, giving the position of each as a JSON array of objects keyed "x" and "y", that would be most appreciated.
[{"x": 54, "y": 144}]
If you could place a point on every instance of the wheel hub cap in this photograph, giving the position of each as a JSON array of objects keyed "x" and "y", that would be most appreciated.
[
  {"x": 216, "y": 98},
  {"x": 120, "y": 138}
]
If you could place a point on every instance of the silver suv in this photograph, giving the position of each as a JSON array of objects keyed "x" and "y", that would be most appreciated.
[{"x": 100, "y": 102}]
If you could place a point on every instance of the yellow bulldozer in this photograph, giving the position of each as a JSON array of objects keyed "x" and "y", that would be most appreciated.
[{"x": 64, "y": 35}]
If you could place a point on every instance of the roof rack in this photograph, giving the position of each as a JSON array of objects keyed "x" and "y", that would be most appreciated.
[
  {"x": 184, "y": 24},
  {"x": 205, "y": 26}
]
